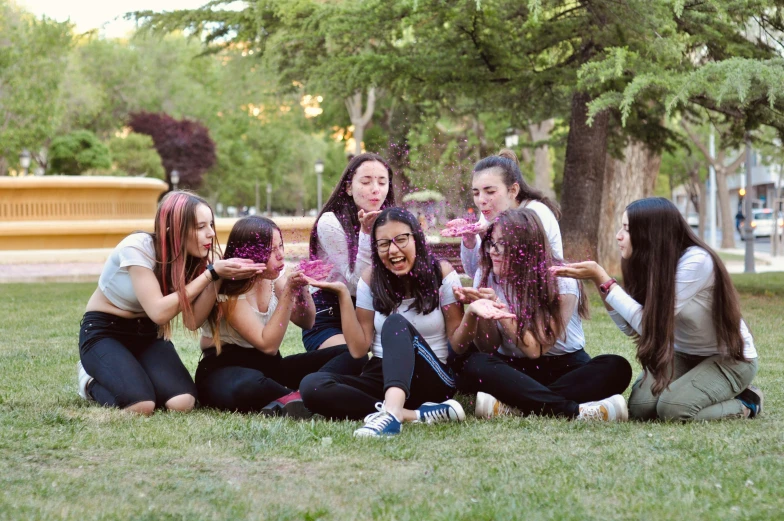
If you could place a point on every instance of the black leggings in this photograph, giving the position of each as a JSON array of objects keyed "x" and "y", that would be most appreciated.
[
  {"x": 549, "y": 385},
  {"x": 245, "y": 379},
  {"x": 129, "y": 363},
  {"x": 408, "y": 364}
]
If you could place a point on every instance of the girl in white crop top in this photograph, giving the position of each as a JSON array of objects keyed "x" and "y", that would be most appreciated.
[
  {"x": 407, "y": 314},
  {"x": 679, "y": 304},
  {"x": 242, "y": 368},
  {"x": 341, "y": 237},
  {"x": 526, "y": 324},
  {"x": 126, "y": 358},
  {"x": 498, "y": 185}
]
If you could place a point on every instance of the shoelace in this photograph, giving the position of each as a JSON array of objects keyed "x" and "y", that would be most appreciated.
[
  {"x": 378, "y": 421},
  {"x": 441, "y": 413},
  {"x": 591, "y": 411}
]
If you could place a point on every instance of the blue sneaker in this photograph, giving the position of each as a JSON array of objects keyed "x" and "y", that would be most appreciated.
[
  {"x": 753, "y": 399},
  {"x": 448, "y": 411},
  {"x": 379, "y": 424}
]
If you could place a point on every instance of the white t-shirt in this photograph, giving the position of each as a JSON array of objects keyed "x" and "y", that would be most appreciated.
[
  {"x": 471, "y": 258},
  {"x": 573, "y": 341},
  {"x": 694, "y": 331},
  {"x": 333, "y": 248},
  {"x": 115, "y": 283},
  {"x": 229, "y": 335},
  {"x": 432, "y": 326}
]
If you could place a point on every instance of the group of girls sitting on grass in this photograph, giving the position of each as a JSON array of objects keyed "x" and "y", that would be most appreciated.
[{"x": 514, "y": 338}]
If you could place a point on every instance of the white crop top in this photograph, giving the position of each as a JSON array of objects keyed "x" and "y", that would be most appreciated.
[
  {"x": 115, "y": 282},
  {"x": 432, "y": 326},
  {"x": 229, "y": 335},
  {"x": 333, "y": 248}
]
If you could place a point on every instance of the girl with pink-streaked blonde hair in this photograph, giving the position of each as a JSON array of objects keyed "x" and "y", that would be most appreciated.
[{"x": 126, "y": 357}]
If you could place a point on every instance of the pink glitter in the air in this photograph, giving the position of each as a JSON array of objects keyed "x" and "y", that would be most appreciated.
[
  {"x": 315, "y": 269},
  {"x": 460, "y": 229}
]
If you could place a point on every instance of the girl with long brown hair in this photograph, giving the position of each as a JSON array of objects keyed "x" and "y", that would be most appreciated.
[
  {"x": 497, "y": 185},
  {"x": 679, "y": 304},
  {"x": 532, "y": 360},
  {"x": 242, "y": 368},
  {"x": 341, "y": 238},
  {"x": 126, "y": 357}
]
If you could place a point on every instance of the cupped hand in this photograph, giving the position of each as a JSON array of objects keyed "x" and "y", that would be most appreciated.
[
  {"x": 296, "y": 281},
  {"x": 490, "y": 310},
  {"x": 586, "y": 270},
  {"x": 465, "y": 295},
  {"x": 333, "y": 287},
  {"x": 238, "y": 269},
  {"x": 367, "y": 219}
]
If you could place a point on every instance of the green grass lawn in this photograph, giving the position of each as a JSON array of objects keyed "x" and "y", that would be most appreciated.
[{"x": 63, "y": 458}]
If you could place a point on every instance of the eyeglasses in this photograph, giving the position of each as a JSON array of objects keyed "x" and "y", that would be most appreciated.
[
  {"x": 489, "y": 246},
  {"x": 401, "y": 241}
]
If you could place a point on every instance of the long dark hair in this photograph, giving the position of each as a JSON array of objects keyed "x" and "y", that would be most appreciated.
[
  {"x": 530, "y": 288},
  {"x": 659, "y": 236},
  {"x": 250, "y": 238},
  {"x": 345, "y": 209},
  {"x": 507, "y": 164},
  {"x": 175, "y": 224},
  {"x": 424, "y": 279}
]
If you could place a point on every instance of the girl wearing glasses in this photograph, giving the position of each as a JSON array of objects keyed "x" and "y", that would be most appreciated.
[
  {"x": 407, "y": 314},
  {"x": 242, "y": 368},
  {"x": 497, "y": 186},
  {"x": 679, "y": 304},
  {"x": 533, "y": 362},
  {"x": 341, "y": 237}
]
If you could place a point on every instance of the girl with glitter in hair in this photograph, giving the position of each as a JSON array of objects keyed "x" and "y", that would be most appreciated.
[
  {"x": 497, "y": 185},
  {"x": 341, "y": 238},
  {"x": 407, "y": 315},
  {"x": 242, "y": 368},
  {"x": 532, "y": 361},
  {"x": 127, "y": 359}
]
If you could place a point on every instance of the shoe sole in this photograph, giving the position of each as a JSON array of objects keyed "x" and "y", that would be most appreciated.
[
  {"x": 457, "y": 408},
  {"x": 619, "y": 406}
]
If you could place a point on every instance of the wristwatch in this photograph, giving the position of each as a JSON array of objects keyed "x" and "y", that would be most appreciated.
[
  {"x": 213, "y": 274},
  {"x": 604, "y": 288}
]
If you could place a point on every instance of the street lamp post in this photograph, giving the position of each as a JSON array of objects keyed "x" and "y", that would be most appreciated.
[
  {"x": 269, "y": 199},
  {"x": 319, "y": 167},
  {"x": 24, "y": 160},
  {"x": 175, "y": 179},
  {"x": 748, "y": 231}
]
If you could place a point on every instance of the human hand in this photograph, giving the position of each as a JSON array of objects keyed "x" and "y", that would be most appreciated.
[
  {"x": 490, "y": 310},
  {"x": 465, "y": 295},
  {"x": 586, "y": 270},
  {"x": 238, "y": 269},
  {"x": 315, "y": 269},
  {"x": 332, "y": 287},
  {"x": 367, "y": 219}
]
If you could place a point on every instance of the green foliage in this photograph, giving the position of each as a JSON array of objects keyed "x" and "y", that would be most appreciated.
[
  {"x": 78, "y": 152},
  {"x": 33, "y": 57},
  {"x": 135, "y": 155}
]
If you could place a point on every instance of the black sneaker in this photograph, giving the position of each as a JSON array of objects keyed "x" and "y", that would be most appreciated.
[
  {"x": 290, "y": 405},
  {"x": 752, "y": 398}
]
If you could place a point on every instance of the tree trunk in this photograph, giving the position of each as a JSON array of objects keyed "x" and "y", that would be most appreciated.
[
  {"x": 3, "y": 166},
  {"x": 625, "y": 180},
  {"x": 543, "y": 168},
  {"x": 727, "y": 216},
  {"x": 360, "y": 118},
  {"x": 583, "y": 180}
]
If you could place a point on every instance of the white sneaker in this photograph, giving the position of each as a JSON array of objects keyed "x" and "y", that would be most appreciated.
[
  {"x": 488, "y": 407},
  {"x": 609, "y": 410},
  {"x": 430, "y": 412},
  {"x": 379, "y": 424},
  {"x": 84, "y": 380}
]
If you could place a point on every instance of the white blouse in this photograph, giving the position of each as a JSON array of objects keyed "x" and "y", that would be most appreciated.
[
  {"x": 333, "y": 248},
  {"x": 115, "y": 282},
  {"x": 694, "y": 330},
  {"x": 471, "y": 258},
  {"x": 432, "y": 326}
]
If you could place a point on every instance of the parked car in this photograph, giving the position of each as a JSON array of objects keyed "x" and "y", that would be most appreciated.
[
  {"x": 763, "y": 223},
  {"x": 693, "y": 219}
]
